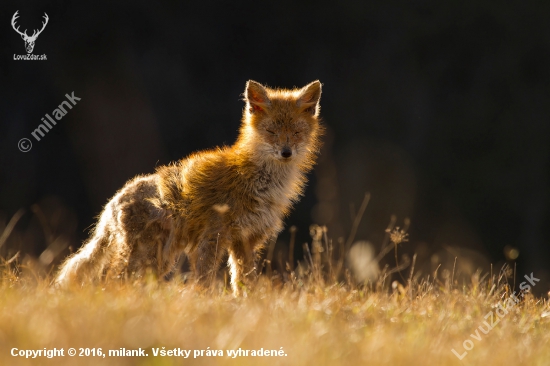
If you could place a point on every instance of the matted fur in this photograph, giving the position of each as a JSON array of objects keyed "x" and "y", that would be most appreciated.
[{"x": 230, "y": 199}]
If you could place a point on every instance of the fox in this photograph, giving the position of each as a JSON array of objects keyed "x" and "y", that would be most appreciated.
[{"x": 226, "y": 202}]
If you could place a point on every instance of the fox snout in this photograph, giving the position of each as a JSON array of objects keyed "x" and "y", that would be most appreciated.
[{"x": 286, "y": 152}]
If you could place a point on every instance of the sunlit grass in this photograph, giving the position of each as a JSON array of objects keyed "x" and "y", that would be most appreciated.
[
  {"x": 318, "y": 314},
  {"x": 313, "y": 322}
]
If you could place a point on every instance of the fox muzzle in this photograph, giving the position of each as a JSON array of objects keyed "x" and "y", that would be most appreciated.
[{"x": 286, "y": 152}]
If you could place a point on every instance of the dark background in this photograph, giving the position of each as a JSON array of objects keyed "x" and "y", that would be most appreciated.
[{"x": 439, "y": 109}]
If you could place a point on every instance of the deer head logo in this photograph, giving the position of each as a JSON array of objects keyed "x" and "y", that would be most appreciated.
[{"x": 29, "y": 41}]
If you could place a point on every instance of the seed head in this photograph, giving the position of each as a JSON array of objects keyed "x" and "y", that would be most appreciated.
[{"x": 398, "y": 235}]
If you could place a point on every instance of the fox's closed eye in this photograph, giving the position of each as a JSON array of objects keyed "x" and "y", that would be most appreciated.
[
  {"x": 271, "y": 132},
  {"x": 297, "y": 133},
  {"x": 310, "y": 110}
]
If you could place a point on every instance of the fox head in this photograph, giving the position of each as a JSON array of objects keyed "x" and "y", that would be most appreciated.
[{"x": 281, "y": 125}]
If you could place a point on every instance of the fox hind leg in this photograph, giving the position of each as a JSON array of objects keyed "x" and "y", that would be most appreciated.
[{"x": 87, "y": 264}]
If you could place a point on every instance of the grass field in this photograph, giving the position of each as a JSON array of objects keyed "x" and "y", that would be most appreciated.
[{"x": 304, "y": 317}]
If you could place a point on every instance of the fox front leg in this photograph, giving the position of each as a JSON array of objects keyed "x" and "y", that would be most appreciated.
[
  {"x": 207, "y": 259},
  {"x": 242, "y": 268}
]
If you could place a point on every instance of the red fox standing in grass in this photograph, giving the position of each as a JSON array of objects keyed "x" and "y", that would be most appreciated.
[{"x": 231, "y": 199}]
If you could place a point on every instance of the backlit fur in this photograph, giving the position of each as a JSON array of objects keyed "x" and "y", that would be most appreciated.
[{"x": 226, "y": 200}]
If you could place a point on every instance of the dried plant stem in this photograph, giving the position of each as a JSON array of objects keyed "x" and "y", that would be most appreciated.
[
  {"x": 357, "y": 220},
  {"x": 291, "y": 247},
  {"x": 11, "y": 224}
]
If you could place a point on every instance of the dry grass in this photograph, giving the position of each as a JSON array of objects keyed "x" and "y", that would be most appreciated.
[
  {"x": 314, "y": 323},
  {"x": 317, "y": 316}
]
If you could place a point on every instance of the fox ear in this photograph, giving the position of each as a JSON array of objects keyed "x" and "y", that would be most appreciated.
[
  {"x": 309, "y": 97},
  {"x": 256, "y": 96}
]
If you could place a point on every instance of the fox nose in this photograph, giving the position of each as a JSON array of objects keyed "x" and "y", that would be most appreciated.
[{"x": 286, "y": 152}]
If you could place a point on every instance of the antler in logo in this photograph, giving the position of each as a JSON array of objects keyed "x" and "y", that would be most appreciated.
[{"x": 29, "y": 41}]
